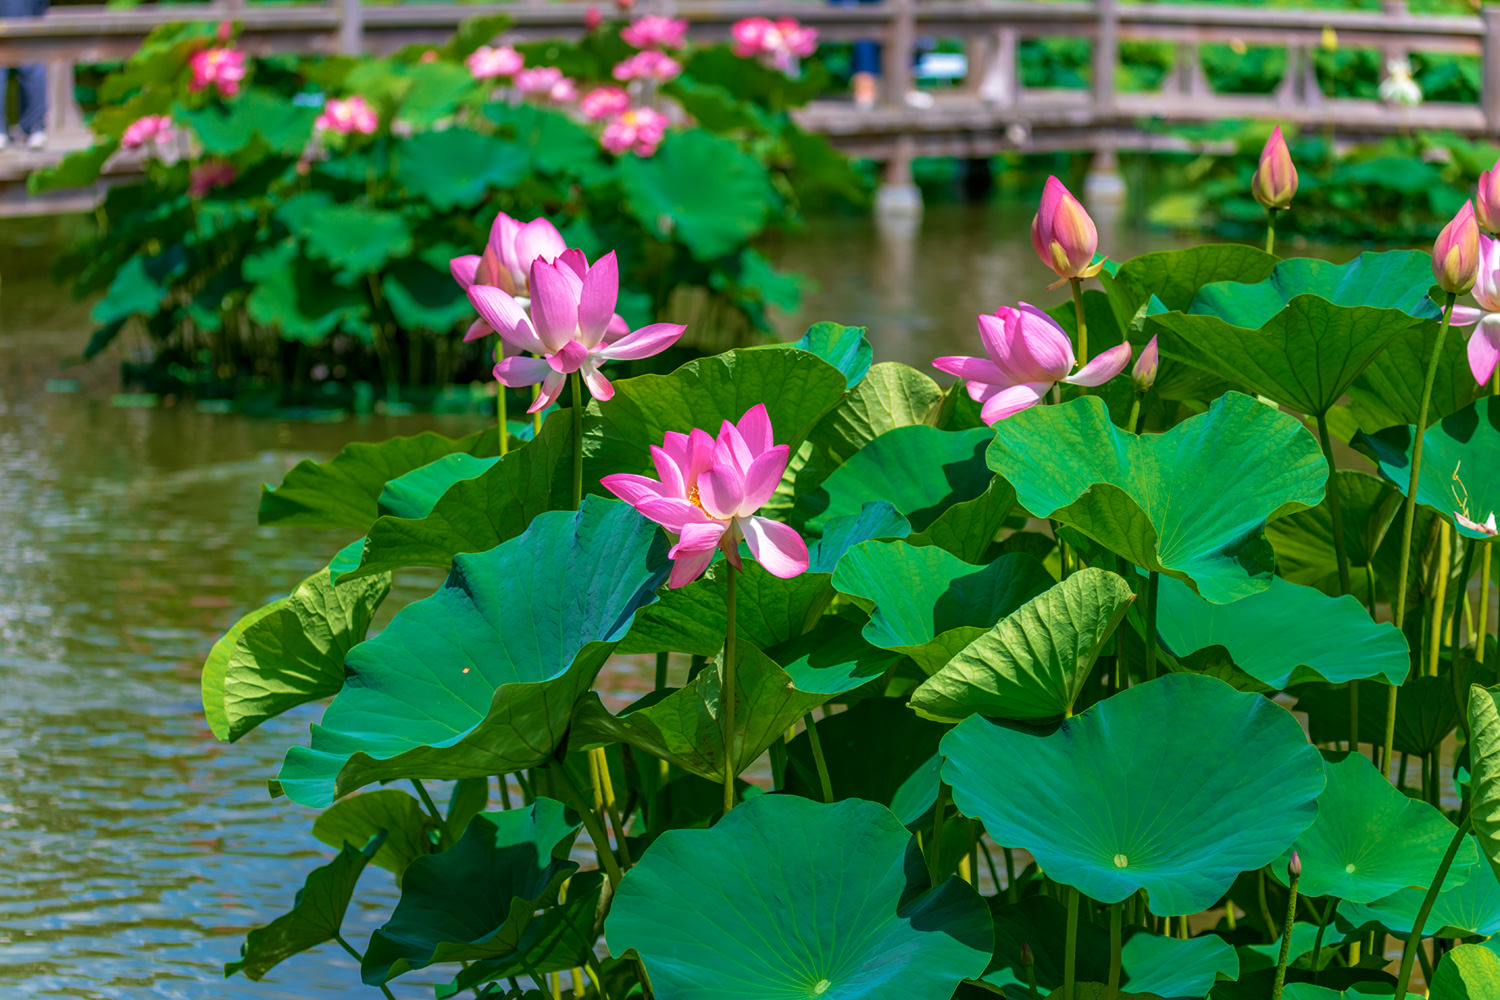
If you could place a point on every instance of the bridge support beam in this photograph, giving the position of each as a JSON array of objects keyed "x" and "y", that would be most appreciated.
[
  {"x": 898, "y": 194},
  {"x": 1104, "y": 185}
]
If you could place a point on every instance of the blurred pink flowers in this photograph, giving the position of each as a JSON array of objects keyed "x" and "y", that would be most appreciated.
[
  {"x": 782, "y": 40},
  {"x": 151, "y": 128},
  {"x": 1028, "y": 355},
  {"x": 348, "y": 115},
  {"x": 648, "y": 65},
  {"x": 638, "y": 130},
  {"x": 655, "y": 33},
  {"x": 1484, "y": 342},
  {"x": 221, "y": 68},
  {"x": 604, "y": 102},
  {"x": 486, "y": 63},
  {"x": 707, "y": 495},
  {"x": 548, "y": 83}
]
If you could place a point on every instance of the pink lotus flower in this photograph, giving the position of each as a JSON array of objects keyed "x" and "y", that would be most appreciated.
[
  {"x": 708, "y": 493},
  {"x": 486, "y": 63},
  {"x": 1485, "y": 527},
  {"x": 593, "y": 17},
  {"x": 1484, "y": 343},
  {"x": 1063, "y": 235},
  {"x": 1487, "y": 203},
  {"x": 782, "y": 40},
  {"x": 1275, "y": 181},
  {"x": 648, "y": 65},
  {"x": 572, "y": 326},
  {"x": 1028, "y": 355},
  {"x": 548, "y": 83},
  {"x": 1455, "y": 254},
  {"x": 1143, "y": 375},
  {"x": 506, "y": 261},
  {"x": 655, "y": 33},
  {"x": 221, "y": 68},
  {"x": 151, "y": 128},
  {"x": 211, "y": 174},
  {"x": 348, "y": 115},
  {"x": 639, "y": 130},
  {"x": 604, "y": 102}
]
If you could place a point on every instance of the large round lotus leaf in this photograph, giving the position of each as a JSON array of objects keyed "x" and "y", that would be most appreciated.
[
  {"x": 1172, "y": 967},
  {"x": 1460, "y": 463},
  {"x": 1389, "y": 391},
  {"x": 1370, "y": 839},
  {"x": 481, "y": 677},
  {"x": 929, "y": 604},
  {"x": 417, "y": 492},
  {"x": 1426, "y": 713},
  {"x": 1304, "y": 546},
  {"x": 406, "y": 825},
  {"x": 1174, "y": 786},
  {"x": 1465, "y": 911},
  {"x": 1191, "y": 503},
  {"x": 1317, "y": 637},
  {"x": 1468, "y": 972},
  {"x": 1033, "y": 664},
  {"x": 1484, "y": 769},
  {"x": 1301, "y": 336},
  {"x": 785, "y": 897}
]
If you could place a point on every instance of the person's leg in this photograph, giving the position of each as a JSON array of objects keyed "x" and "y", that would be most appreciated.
[
  {"x": 864, "y": 79},
  {"x": 33, "y": 79}
]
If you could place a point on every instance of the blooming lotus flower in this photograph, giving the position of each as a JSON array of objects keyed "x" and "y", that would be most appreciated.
[
  {"x": 707, "y": 495},
  {"x": 506, "y": 261},
  {"x": 1275, "y": 181},
  {"x": 1484, "y": 343},
  {"x": 572, "y": 326},
  {"x": 220, "y": 68},
  {"x": 1485, "y": 527},
  {"x": 151, "y": 128},
  {"x": 1063, "y": 235},
  {"x": 486, "y": 63},
  {"x": 655, "y": 33},
  {"x": 1143, "y": 375},
  {"x": 639, "y": 130},
  {"x": 648, "y": 65},
  {"x": 548, "y": 83},
  {"x": 346, "y": 116},
  {"x": 604, "y": 102},
  {"x": 211, "y": 174},
  {"x": 1455, "y": 255},
  {"x": 782, "y": 40},
  {"x": 1028, "y": 355}
]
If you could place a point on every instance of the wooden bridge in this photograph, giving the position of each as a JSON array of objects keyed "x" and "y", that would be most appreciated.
[{"x": 988, "y": 112}]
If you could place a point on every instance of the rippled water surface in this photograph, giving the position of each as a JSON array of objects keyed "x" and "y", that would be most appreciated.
[{"x": 135, "y": 850}]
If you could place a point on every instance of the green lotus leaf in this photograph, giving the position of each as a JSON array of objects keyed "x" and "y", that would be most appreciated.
[
  {"x": 1033, "y": 664},
  {"x": 844, "y": 347},
  {"x": 1468, "y": 972},
  {"x": 968, "y": 528},
  {"x": 1191, "y": 503},
  {"x": 298, "y": 299},
  {"x": 1468, "y": 910},
  {"x": 1041, "y": 922},
  {"x": 457, "y": 167},
  {"x": 1359, "y": 991},
  {"x": 287, "y": 653},
  {"x": 876, "y": 519},
  {"x": 555, "y": 142},
  {"x": 422, "y": 297},
  {"x": 476, "y": 900},
  {"x": 1389, "y": 392},
  {"x": 1460, "y": 463},
  {"x": 833, "y": 658},
  {"x": 480, "y": 678},
  {"x": 1172, "y": 967},
  {"x": 929, "y": 604},
  {"x": 316, "y": 915},
  {"x": 416, "y": 493},
  {"x": 354, "y": 239},
  {"x": 891, "y": 395},
  {"x": 1110, "y": 803},
  {"x": 1317, "y": 637},
  {"x": 878, "y": 750},
  {"x": 1370, "y": 839},
  {"x": 227, "y": 127},
  {"x": 1175, "y": 277},
  {"x": 1302, "y": 336},
  {"x": 1304, "y": 541},
  {"x": 387, "y": 810},
  {"x": 344, "y": 492},
  {"x": 828, "y": 892},
  {"x": 560, "y": 938},
  {"x": 1484, "y": 771},
  {"x": 1426, "y": 713}
]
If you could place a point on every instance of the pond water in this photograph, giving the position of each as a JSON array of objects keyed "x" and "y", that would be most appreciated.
[{"x": 136, "y": 849}]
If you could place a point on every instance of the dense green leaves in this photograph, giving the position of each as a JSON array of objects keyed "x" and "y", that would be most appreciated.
[
  {"x": 829, "y": 884},
  {"x": 1468, "y": 972},
  {"x": 1484, "y": 768},
  {"x": 667, "y": 194},
  {"x": 1460, "y": 472},
  {"x": 844, "y": 347},
  {"x": 396, "y": 814},
  {"x": 1111, "y": 802},
  {"x": 1191, "y": 503},
  {"x": 1463, "y": 911}
]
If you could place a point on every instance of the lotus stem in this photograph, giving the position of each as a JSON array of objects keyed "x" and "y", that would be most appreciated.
[
  {"x": 727, "y": 692},
  {"x": 1482, "y": 630},
  {"x": 1012, "y": 894},
  {"x": 502, "y": 420},
  {"x": 361, "y": 960},
  {"x": 1295, "y": 872},
  {"x": 596, "y": 976},
  {"x": 1414, "y": 939},
  {"x": 1070, "y": 949},
  {"x": 1133, "y": 423},
  {"x": 1271, "y": 232},
  {"x": 935, "y": 839},
  {"x": 1442, "y": 567},
  {"x": 662, "y": 662},
  {"x": 1409, "y": 512},
  {"x": 1323, "y": 923},
  {"x": 1152, "y": 584},
  {"x": 1114, "y": 951},
  {"x": 1083, "y": 330},
  {"x": 554, "y": 985},
  {"x": 591, "y": 823},
  {"x": 816, "y": 743},
  {"x": 431, "y": 807},
  {"x": 536, "y": 418},
  {"x": 1028, "y": 962},
  {"x": 606, "y": 795},
  {"x": 575, "y": 383},
  {"x": 1335, "y": 505}
]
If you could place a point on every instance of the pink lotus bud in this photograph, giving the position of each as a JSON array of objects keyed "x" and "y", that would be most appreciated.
[
  {"x": 1063, "y": 235},
  {"x": 592, "y": 18},
  {"x": 225, "y": 31},
  {"x": 1275, "y": 181},
  {"x": 1455, "y": 255},
  {"x": 625, "y": 5},
  {"x": 1143, "y": 375},
  {"x": 430, "y": 56},
  {"x": 1294, "y": 866},
  {"x": 1027, "y": 957},
  {"x": 1487, "y": 204}
]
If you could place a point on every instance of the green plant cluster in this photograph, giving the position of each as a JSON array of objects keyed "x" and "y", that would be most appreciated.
[
  {"x": 323, "y": 262},
  {"x": 1024, "y": 727}
]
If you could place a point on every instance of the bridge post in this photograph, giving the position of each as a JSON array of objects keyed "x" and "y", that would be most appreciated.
[
  {"x": 1489, "y": 95},
  {"x": 351, "y": 27},
  {"x": 898, "y": 193},
  {"x": 1106, "y": 55},
  {"x": 63, "y": 113}
]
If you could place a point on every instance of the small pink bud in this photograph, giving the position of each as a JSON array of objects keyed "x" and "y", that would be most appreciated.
[
  {"x": 1143, "y": 375},
  {"x": 1487, "y": 204},
  {"x": 1275, "y": 181},
  {"x": 1027, "y": 958},
  {"x": 1294, "y": 866},
  {"x": 592, "y": 18},
  {"x": 430, "y": 56},
  {"x": 225, "y": 32},
  {"x": 1455, "y": 255},
  {"x": 1062, "y": 234}
]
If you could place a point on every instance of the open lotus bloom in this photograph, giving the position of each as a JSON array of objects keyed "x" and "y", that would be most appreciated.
[
  {"x": 149, "y": 129},
  {"x": 1484, "y": 342},
  {"x": 347, "y": 116},
  {"x": 707, "y": 495},
  {"x": 572, "y": 326},
  {"x": 506, "y": 261},
  {"x": 654, "y": 32},
  {"x": 1063, "y": 235},
  {"x": 221, "y": 68},
  {"x": 1028, "y": 355}
]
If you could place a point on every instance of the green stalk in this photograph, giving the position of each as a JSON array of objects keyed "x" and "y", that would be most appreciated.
[
  {"x": 1012, "y": 894},
  {"x": 432, "y": 809},
  {"x": 1286, "y": 935},
  {"x": 576, "y": 383},
  {"x": 1133, "y": 424},
  {"x": 816, "y": 743},
  {"x": 1318, "y": 941},
  {"x": 1335, "y": 505},
  {"x": 1152, "y": 583},
  {"x": 536, "y": 418},
  {"x": 361, "y": 960},
  {"x": 1083, "y": 329},
  {"x": 502, "y": 420},
  {"x": 1440, "y": 572},
  {"x": 727, "y": 695},
  {"x": 1114, "y": 951},
  {"x": 1270, "y": 230},
  {"x": 591, "y": 822},
  {"x": 661, "y": 670},
  {"x": 1070, "y": 949},
  {"x": 1409, "y": 513},
  {"x": 1414, "y": 939},
  {"x": 1484, "y": 603}
]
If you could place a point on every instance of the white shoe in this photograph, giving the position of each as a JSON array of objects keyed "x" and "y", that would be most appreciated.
[
  {"x": 919, "y": 99},
  {"x": 4, "y": 139},
  {"x": 36, "y": 140}
]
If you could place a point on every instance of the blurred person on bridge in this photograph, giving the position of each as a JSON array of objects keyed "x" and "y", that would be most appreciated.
[{"x": 33, "y": 81}]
